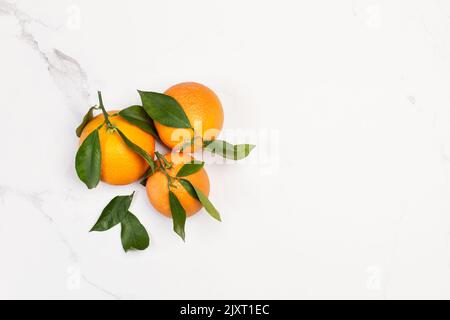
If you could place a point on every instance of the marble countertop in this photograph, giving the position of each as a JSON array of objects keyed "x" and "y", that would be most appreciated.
[{"x": 347, "y": 194}]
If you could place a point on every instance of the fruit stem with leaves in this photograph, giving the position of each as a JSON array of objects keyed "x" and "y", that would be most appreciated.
[
  {"x": 163, "y": 166},
  {"x": 102, "y": 107},
  {"x": 177, "y": 210},
  {"x": 88, "y": 158}
]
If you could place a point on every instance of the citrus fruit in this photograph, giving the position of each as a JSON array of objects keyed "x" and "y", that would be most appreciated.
[
  {"x": 158, "y": 190},
  {"x": 120, "y": 165},
  {"x": 203, "y": 109}
]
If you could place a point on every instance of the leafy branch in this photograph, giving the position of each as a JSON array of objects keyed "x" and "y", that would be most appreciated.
[
  {"x": 133, "y": 234},
  {"x": 182, "y": 177}
]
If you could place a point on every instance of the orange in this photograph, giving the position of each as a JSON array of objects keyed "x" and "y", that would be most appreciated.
[
  {"x": 158, "y": 190},
  {"x": 120, "y": 165},
  {"x": 203, "y": 109}
]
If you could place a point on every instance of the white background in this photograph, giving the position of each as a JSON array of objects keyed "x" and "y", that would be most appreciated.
[{"x": 346, "y": 196}]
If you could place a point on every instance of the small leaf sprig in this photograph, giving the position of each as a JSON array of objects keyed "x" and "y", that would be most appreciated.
[
  {"x": 134, "y": 236},
  {"x": 167, "y": 111},
  {"x": 176, "y": 208}
]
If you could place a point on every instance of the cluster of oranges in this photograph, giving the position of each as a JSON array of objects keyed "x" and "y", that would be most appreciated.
[{"x": 118, "y": 148}]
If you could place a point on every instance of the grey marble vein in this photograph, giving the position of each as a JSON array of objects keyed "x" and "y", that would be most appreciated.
[
  {"x": 100, "y": 288},
  {"x": 66, "y": 71},
  {"x": 72, "y": 81},
  {"x": 36, "y": 199}
]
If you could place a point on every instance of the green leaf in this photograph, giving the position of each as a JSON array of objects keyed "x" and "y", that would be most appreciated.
[
  {"x": 144, "y": 154},
  {"x": 164, "y": 109},
  {"x": 88, "y": 117},
  {"x": 136, "y": 115},
  {"x": 114, "y": 213},
  {"x": 133, "y": 234},
  {"x": 88, "y": 160},
  {"x": 187, "y": 185},
  {"x": 197, "y": 194},
  {"x": 190, "y": 168},
  {"x": 178, "y": 215},
  {"x": 207, "y": 204},
  {"x": 227, "y": 150}
]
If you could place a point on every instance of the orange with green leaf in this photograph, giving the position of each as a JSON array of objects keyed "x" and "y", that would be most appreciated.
[
  {"x": 204, "y": 113},
  {"x": 118, "y": 148}
]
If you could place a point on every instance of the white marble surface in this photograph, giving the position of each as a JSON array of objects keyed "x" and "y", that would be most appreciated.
[{"x": 346, "y": 196}]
